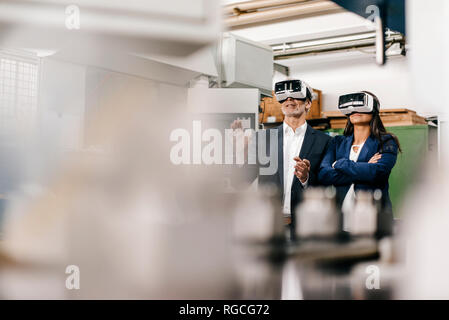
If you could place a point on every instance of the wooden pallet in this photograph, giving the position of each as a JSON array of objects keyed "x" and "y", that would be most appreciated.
[{"x": 390, "y": 118}]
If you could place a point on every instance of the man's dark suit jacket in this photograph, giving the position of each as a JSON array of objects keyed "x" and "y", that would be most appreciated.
[{"x": 313, "y": 149}]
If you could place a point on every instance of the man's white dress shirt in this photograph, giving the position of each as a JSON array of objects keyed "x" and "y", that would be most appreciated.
[{"x": 292, "y": 146}]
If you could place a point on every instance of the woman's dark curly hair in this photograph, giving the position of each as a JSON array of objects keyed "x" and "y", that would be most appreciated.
[{"x": 377, "y": 127}]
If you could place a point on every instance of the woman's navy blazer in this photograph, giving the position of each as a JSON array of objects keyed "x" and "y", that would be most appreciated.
[{"x": 364, "y": 175}]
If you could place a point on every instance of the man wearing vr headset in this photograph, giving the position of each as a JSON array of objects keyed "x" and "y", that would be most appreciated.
[
  {"x": 362, "y": 158},
  {"x": 300, "y": 147}
]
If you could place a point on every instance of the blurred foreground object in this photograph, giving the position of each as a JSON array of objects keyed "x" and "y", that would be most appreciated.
[
  {"x": 317, "y": 214},
  {"x": 425, "y": 237},
  {"x": 361, "y": 219},
  {"x": 424, "y": 233},
  {"x": 136, "y": 225},
  {"x": 139, "y": 27},
  {"x": 140, "y": 38}
]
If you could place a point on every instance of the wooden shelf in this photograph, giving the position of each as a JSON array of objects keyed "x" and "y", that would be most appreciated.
[{"x": 390, "y": 118}]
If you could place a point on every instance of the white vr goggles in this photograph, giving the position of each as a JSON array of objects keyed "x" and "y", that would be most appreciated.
[
  {"x": 360, "y": 102},
  {"x": 295, "y": 89}
]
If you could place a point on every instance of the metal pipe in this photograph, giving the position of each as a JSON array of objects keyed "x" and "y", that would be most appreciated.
[
  {"x": 282, "y": 54},
  {"x": 306, "y": 8},
  {"x": 322, "y": 48},
  {"x": 321, "y": 41}
]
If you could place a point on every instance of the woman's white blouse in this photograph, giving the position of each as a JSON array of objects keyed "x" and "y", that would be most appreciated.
[{"x": 349, "y": 201}]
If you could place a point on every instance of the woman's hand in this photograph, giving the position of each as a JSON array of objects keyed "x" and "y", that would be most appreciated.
[{"x": 375, "y": 158}]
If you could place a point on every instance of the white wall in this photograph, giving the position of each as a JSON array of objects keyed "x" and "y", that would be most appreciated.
[
  {"x": 336, "y": 74},
  {"x": 428, "y": 63}
]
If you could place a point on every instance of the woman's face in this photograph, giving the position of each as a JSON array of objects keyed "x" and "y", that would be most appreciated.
[{"x": 360, "y": 118}]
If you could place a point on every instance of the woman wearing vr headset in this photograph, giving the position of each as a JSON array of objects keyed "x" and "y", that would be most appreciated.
[{"x": 363, "y": 157}]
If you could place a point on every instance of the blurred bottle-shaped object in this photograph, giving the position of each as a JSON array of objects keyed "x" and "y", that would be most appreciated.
[
  {"x": 259, "y": 250},
  {"x": 317, "y": 215},
  {"x": 379, "y": 278},
  {"x": 361, "y": 220},
  {"x": 258, "y": 216}
]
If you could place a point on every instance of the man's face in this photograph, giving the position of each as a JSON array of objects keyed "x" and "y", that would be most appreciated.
[{"x": 294, "y": 107}]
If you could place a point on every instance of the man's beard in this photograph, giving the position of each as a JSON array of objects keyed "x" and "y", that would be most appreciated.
[{"x": 298, "y": 112}]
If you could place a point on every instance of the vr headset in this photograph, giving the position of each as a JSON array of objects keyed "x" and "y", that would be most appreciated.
[
  {"x": 295, "y": 89},
  {"x": 360, "y": 102}
]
